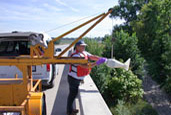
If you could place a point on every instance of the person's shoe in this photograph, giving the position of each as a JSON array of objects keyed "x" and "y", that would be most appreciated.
[
  {"x": 75, "y": 111},
  {"x": 82, "y": 82},
  {"x": 71, "y": 113}
]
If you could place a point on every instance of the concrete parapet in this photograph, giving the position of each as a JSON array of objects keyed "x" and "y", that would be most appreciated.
[{"x": 90, "y": 100}]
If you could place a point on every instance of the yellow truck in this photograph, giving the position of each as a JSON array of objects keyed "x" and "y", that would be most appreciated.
[{"x": 24, "y": 95}]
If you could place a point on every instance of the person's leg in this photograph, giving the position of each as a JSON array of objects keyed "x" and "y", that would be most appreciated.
[{"x": 73, "y": 91}]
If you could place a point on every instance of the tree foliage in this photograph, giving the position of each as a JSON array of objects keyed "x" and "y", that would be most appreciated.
[
  {"x": 153, "y": 29},
  {"x": 151, "y": 20},
  {"x": 94, "y": 47},
  {"x": 125, "y": 46},
  {"x": 127, "y": 10},
  {"x": 128, "y": 85}
]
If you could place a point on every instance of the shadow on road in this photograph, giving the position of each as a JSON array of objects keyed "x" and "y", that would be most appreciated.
[{"x": 59, "y": 107}]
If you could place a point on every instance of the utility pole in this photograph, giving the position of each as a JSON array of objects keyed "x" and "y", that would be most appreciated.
[{"x": 112, "y": 53}]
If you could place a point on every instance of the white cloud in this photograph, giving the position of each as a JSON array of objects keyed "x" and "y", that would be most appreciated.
[
  {"x": 66, "y": 5},
  {"x": 62, "y": 3},
  {"x": 28, "y": 13},
  {"x": 51, "y": 7},
  {"x": 74, "y": 9}
]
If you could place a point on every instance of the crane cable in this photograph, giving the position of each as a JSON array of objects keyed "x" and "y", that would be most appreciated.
[{"x": 69, "y": 23}]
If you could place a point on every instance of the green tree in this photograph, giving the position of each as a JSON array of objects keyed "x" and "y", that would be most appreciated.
[
  {"x": 125, "y": 47},
  {"x": 146, "y": 26},
  {"x": 107, "y": 41},
  {"x": 127, "y": 10},
  {"x": 153, "y": 28},
  {"x": 94, "y": 47},
  {"x": 114, "y": 84}
]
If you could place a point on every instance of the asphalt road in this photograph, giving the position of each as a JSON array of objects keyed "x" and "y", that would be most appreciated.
[{"x": 56, "y": 97}]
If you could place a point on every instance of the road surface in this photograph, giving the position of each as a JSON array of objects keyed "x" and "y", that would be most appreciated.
[{"x": 56, "y": 97}]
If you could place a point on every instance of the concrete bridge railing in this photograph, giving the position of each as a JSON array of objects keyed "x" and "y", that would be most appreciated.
[{"x": 90, "y": 100}]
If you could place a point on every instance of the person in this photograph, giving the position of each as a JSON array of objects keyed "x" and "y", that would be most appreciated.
[{"x": 78, "y": 72}]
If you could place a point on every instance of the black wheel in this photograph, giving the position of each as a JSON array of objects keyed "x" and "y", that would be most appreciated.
[
  {"x": 44, "y": 105},
  {"x": 54, "y": 70},
  {"x": 50, "y": 85}
]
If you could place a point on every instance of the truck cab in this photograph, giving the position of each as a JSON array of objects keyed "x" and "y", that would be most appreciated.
[{"x": 18, "y": 43}]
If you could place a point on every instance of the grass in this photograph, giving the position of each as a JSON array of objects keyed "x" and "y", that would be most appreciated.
[{"x": 139, "y": 108}]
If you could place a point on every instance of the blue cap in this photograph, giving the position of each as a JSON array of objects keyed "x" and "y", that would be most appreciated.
[{"x": 81, "y": 43}]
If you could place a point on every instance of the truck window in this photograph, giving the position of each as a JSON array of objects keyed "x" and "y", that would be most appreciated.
[
  {"x": 14, "y": 48},
  {"x": 7, "y": 48}
]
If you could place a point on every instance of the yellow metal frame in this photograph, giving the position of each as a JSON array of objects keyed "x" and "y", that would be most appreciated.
[
  {"x": 19, "y": 94},
  {"x": 35, "y": 103}
]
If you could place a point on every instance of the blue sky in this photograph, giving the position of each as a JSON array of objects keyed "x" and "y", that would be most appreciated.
[{"x": 45, "y": 15}]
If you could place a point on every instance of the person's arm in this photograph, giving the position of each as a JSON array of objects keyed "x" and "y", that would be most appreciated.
[
  {"x": 88, "y": 66},
  {"x": 91, "y": 65},
  {"x": 94, "y": 57}
]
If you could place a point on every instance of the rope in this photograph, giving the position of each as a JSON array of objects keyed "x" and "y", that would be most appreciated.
[
  {"x": 112, "y": 26},
  {"x": 69, "y": 23}
]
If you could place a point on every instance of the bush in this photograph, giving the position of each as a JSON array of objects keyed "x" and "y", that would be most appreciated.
[
  {"x": 167, "y": 85},
  {"x": 99, "y": 75},
  {"x": 140, "y": 108},
  {"x": 114, "y": 84},
  {"x": 121, "y": 109},
  {"x": 124, "y": 85},
  {"x": 125, "y": 47},
  {"x": 107, "y": 41}
]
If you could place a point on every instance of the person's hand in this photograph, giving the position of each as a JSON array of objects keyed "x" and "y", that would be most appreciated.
[{"x": 101, "y": 61}]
